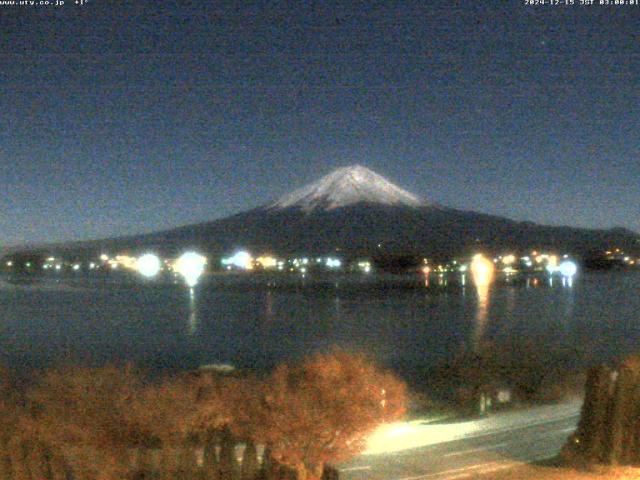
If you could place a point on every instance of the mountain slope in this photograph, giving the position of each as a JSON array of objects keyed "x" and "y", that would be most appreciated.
[{"x": 357, "y": 212}]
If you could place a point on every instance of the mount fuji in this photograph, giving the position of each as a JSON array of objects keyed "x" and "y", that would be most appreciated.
[
  {"x": 345, "y": 187},
  {"x": 355, "y": 211}
]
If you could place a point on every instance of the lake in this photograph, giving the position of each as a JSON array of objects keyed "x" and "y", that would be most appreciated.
[{"x": 255, "y": 322}]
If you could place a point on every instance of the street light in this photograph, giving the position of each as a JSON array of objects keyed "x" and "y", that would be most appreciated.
[
  {"x": 482, "y": 270},
  {"x": 148, "y": 265},
  {"x": 191, "y": 266},
  {"x": 568, "y": 268}
]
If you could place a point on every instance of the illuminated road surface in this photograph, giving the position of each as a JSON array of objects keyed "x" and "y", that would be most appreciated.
[{"x": 456, "y": 451}]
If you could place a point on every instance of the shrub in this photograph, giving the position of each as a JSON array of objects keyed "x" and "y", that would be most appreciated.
[{"x": 322, "y": 410}]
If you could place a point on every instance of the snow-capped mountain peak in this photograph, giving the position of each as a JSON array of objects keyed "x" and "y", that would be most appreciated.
[{"x": 347, "y": 186}]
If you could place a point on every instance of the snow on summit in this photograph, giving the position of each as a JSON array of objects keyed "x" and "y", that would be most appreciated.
[{"x": 347, "y": 186}]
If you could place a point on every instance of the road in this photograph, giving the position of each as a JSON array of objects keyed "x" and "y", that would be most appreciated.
[{"x": 414, "y": 451}]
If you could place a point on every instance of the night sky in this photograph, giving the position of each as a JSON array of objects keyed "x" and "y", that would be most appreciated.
[{"x": 119, "y": 117}]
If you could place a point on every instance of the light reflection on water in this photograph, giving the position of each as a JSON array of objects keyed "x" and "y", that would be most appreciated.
[
  {"x": 268, "y": 305},
  {"x": 250, "y": 324},
  {"x": 483, "y": 273},
  {"x": 482, "y": 312},
  {"x": 193, "y": 313}
]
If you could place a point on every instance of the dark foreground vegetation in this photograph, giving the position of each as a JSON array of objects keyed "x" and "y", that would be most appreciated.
[
  {"x": 609, "y": 428},
  {"x": 517, "y": 372},
  {"x": 606, "y": 444},
  {"x": 111, "y": 423}
]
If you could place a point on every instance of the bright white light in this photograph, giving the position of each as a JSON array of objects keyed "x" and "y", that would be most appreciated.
[
  {"x": 148, "y": 265},
  {"x": 104, "y": 257},
  {"x": 568, "y": 268},
  {"x": 333, "y": 263},
  {"x": 191, "y": 266},
  {"x": 76, "y": 267},
  {"x": 241, "y": 259}
]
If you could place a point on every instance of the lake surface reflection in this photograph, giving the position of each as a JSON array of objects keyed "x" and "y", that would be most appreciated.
[{"x": 251, "y": 323}]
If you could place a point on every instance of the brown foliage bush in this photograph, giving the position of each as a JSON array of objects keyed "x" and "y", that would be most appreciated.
[
  {"x": 322, "y": 410},
  {"x": 105, "y": 423},
  {"x": 166, "y": 412},
  {"x": 85, "y": 415},
  {"x": 226, "y": 401}
]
